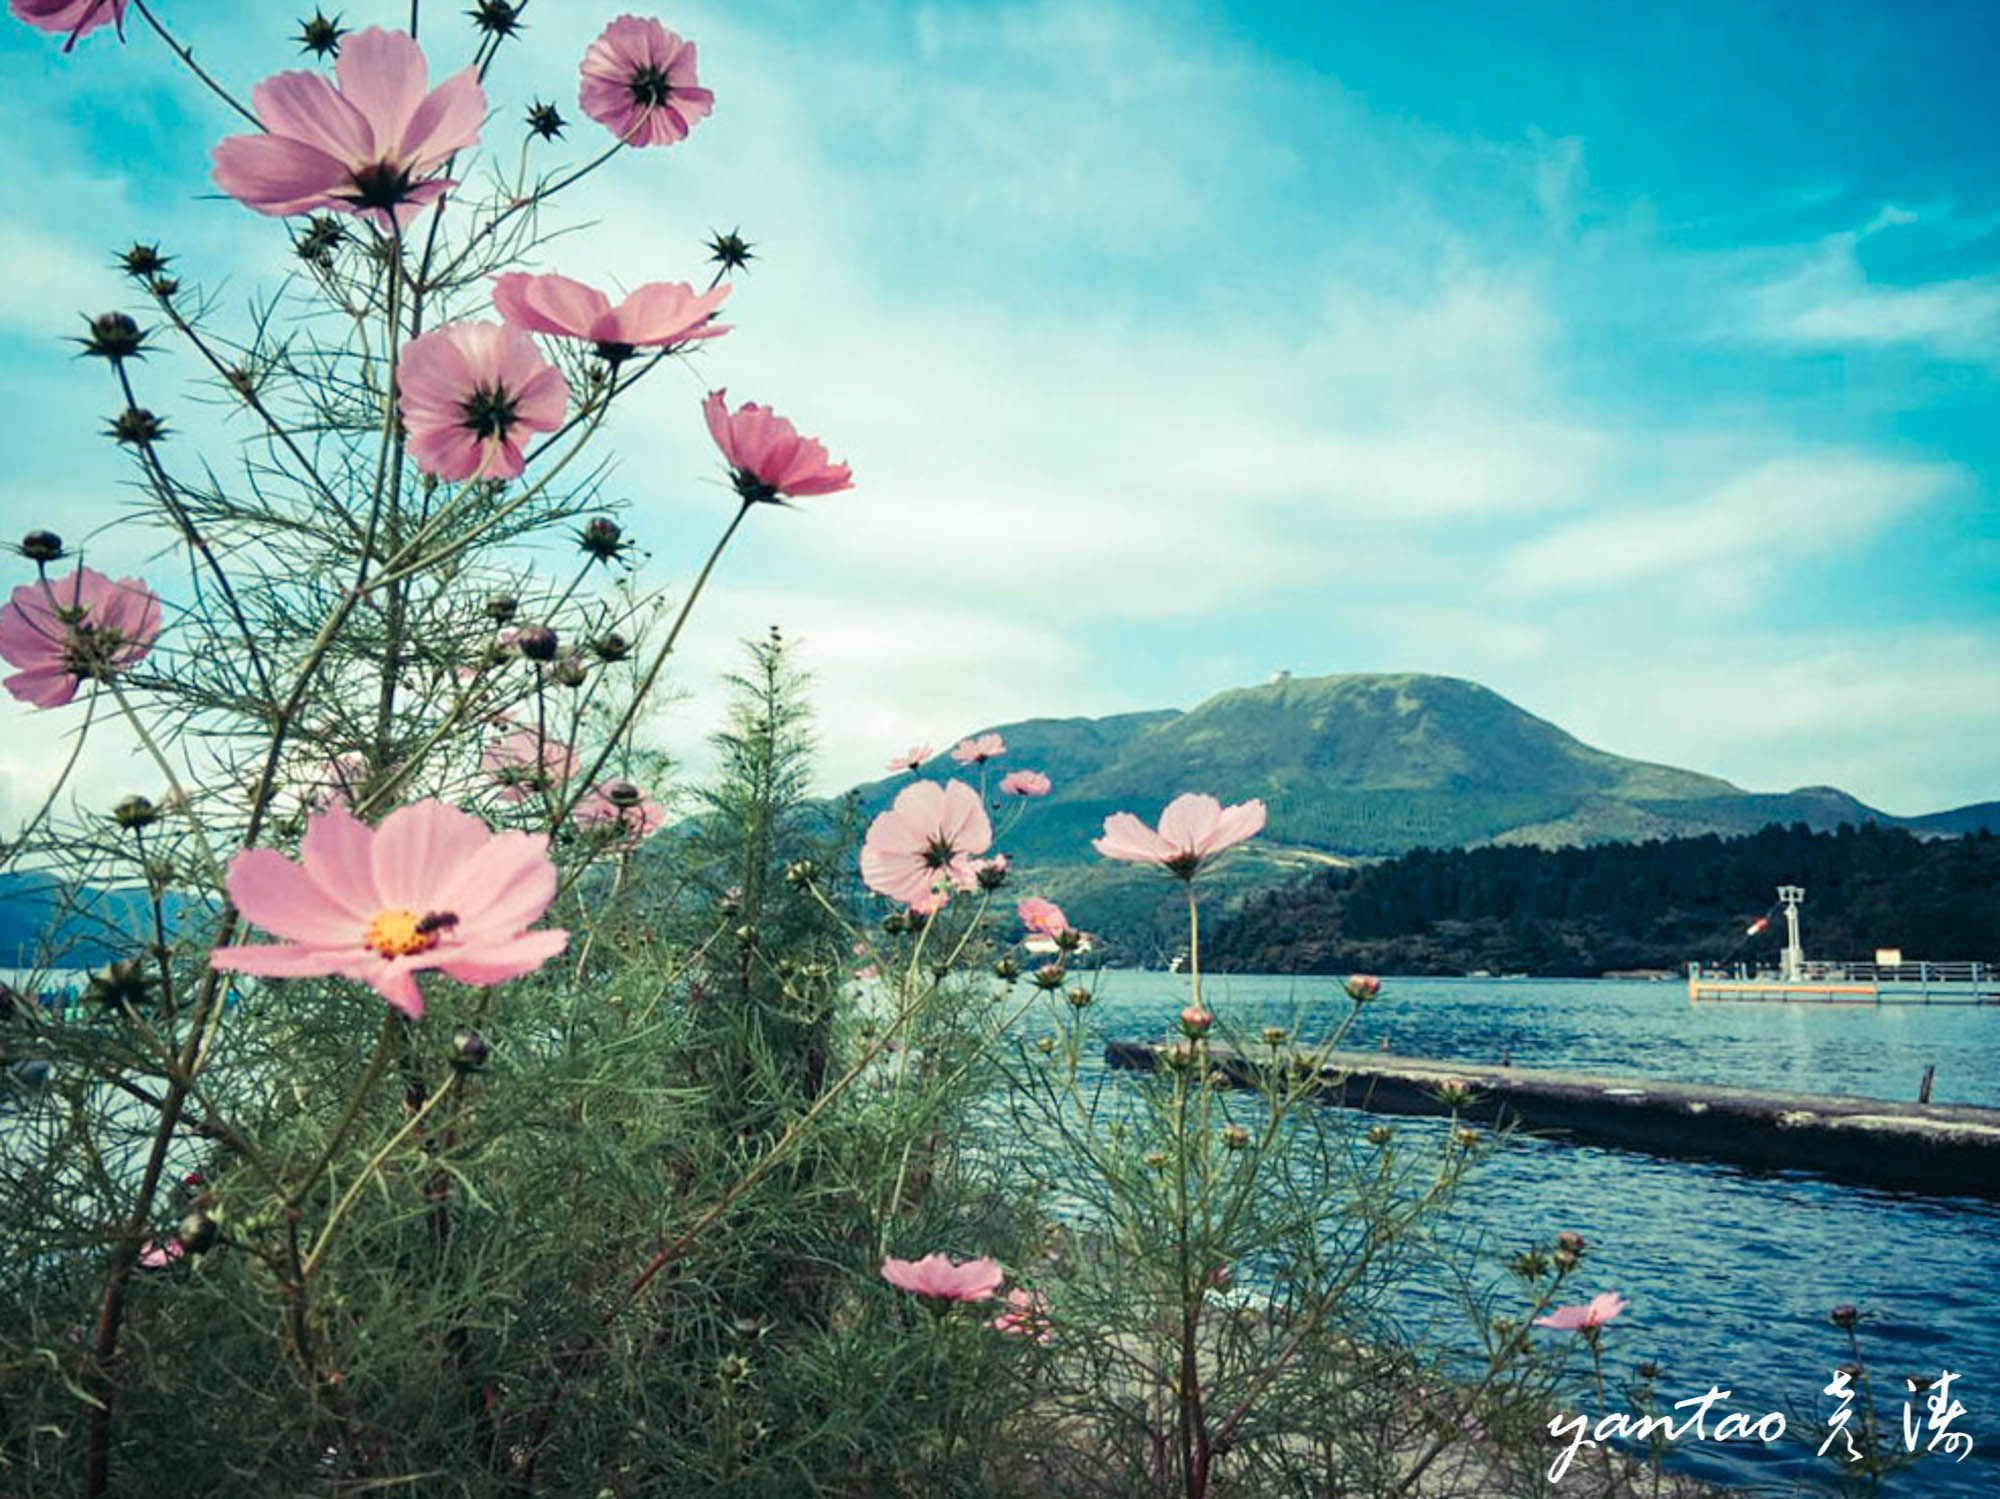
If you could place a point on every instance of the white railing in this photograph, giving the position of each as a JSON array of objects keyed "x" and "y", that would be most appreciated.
[{"x": 1921, "y": 974}]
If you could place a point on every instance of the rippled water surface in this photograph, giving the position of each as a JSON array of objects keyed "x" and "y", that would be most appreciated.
[{"x": 1730, "y": 1275}]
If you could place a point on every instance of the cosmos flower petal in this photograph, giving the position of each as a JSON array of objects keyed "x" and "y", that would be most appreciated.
[
  {"x": 553, "y": 305},
  {"x": 384, "y": 74},
  {"x": 277, "y": 175},
  {"x": 284, "y": 898},
  {"x": 507, "y": 960},
  {"x": 421, "y": 850}
]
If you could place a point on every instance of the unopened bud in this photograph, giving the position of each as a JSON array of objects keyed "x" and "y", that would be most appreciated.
[
  {"x": 1235, "y": 1136},
  {"x": 142, "y": 261},
  {"x": 537, "y": 643},
  {"x": 568, "y": 672},
  {"x": 544, "y": 120},
  {"x": 1006, "y": 970},
  {"x": 1195, "y": 1021},
  {"x": 135, "y": 812},
  {"x": 1467, "y": 1137},
  {"x": 1275, "y": 1035},
  {"x": 1155, "y": 1158},
  {"x": 319, "y": 36},
  {"x": 1049, "y": 976},
  {"x": 1380, "y": 1134},
  {"x": 41, "y": 546},
  {"x": 801, "y": 873},
  {"x": 501, "y": 607},
  {"x": 469, "y": 1050},
  {"x": 896, "y": 923},
  {"x": 1045, "y": 1045},
  {"x": 1454, "y": 1093},
  {"x": 602, "y": 538},
  {"x": 623, "y": 795},
  {"x": 992, "y": 872},
  {"x": 1362, "y": 987},
  {"x": 610, "y": 648},
  {"x": 1845, "y": 1315},
  {"x": 135, "y": 426},
  {"x": 1570, "y": 1241},
  {"x": 196, "y": 1233},
  {"x": 113, "y": 336},
  {"x": 1080, "y": 998}
]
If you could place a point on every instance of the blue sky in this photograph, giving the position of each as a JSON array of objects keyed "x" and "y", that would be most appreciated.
[{"x": 1638, "y": 363}]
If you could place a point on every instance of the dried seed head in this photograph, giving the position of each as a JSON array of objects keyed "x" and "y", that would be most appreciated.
[
  {"x": 319, "y": 36},
  {"x": 611, "y": 648},
  {"x": 113, "y": 336},
  {"x": 135, "y": 812},
  {"x": 41, "y": 546},
  {"x": 537, "y": 643},
  {"x": 142, "y": 261},
  {"x": 545, "y": 121}
]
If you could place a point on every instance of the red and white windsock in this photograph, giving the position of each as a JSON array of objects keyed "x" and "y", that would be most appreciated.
[{"x": 1758, "y": 925}]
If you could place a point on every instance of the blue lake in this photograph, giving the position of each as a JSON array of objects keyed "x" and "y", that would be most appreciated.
[{"x": 1730, "y": 1275}]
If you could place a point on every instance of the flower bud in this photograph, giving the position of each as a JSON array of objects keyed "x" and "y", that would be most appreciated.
[
  {"x": 745, "y": 935},
  {"x": 1006, "y": 970},
  {"x": 1155, "y": 1158},
  {"x": 537, "y": 643},
  {"x": 142, "y": 261},
  {"x": 1570, "y": 1241},
  {"x": 1362, "y": 987},
  {"x": 801, "y": 873},
  {"x": 1844, "y": 1315},
  {"x": 1195, "y": 1021},
  {"x": 602, "y": 538},
  {"x": 501, "y": 607},
  {"x": 1045, "y": 1045},
  {"x": 501, "y": 18},
  {"x": 319, "y": 36},
  {"x": 992, "y": 873},
  {"x": 196, "y": 1233},
  {"x": 1080, "y": 998},
  {"x": 135, "y": 812},
  {"x": 1069, "y": 939},
  {"x": 1179, "y": 1056},
  {"x": 164, "y": 287},
  {"x": 1530, "y": 1264},
  {"x": 135, "y": 426},
  {"x": 623, "y": 795},
  {"x": 469, "y": 1050},
  {"x": 1049, "y": 976},
  {"x": 568, "y": 672},
  {"x": 1647, "y": 1369},
  {"x": 41, "y": 546},
  {"x": 729, "y": 251},
  {"x": 1218, "y": 1278},
  {"x": 896, "y": 923},
  {"x": 1454, "y": 1093},
  {"x": 113, "y": 336},
  {"x": 1235, "y": 1136},
  {"x": 544, "y": 120},
  {"x": 611, "y": 648},
  {"x": 732, "y": 1369},
  {"x": 1380, "y": 1134},
  {"x": 1467, "y": 1137}
]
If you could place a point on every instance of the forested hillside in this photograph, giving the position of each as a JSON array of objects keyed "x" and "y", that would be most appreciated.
[{"x": 1583, "y": 911}]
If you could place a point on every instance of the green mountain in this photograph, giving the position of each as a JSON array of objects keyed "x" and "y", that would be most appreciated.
[{"x": 1353, "y": 767}]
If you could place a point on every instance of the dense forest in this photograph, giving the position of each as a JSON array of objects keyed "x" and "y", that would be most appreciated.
[{"x": 1610, "y": 906}]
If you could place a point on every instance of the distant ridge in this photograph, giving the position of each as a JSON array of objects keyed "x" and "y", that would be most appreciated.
[{"x": 1365, "y": 766}]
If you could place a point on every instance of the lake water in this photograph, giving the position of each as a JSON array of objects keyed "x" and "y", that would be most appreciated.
[{"x": 1730, "y": 1275}]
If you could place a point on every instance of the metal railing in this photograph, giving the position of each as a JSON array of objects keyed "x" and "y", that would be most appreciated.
[{"x": 1853, "y": 973}]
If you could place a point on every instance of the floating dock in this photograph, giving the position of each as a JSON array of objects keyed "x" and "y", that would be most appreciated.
[
  {"x": 1848, "y": 984},
  {"x": 1951, "y": 1150}
]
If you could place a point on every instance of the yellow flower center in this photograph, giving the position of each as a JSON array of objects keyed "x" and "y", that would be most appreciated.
[{"x": 400, "y": 933}]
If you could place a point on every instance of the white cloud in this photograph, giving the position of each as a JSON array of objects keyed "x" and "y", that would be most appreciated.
[
  {"x": 1775, "y": 515},
  {"x": 1829, "y": 303}
]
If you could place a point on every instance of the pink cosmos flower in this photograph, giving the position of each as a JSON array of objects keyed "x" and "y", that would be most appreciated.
[
  {"x": 767, "y": 457},
  {"x": 1193, "y": 830},
  {"x": 523, "y": 762},
  {"x": 929, "y": 836},
  {"x": 77, "y": 17},
  {"x": 944, "y": 1279},
  {"x": 657, "y": 314},
  {"x": 598, "y": 810},
  {"x": 470, "y": 393},
  {"x": 1027, "y": 1316},
  {"x": 367, "y": 148},
  {"x": 1043, "y": 917},
  {"x": 1024, "y": 783},
  {"x": 912, "y": 759},
  {"x": 1578, "y": 1318},
  {"x": 639, "y": 83},
  {"x": 978, "y": 751},
  {"x": 157, "y": 1254},
  {"x": 432, "y": 887},
  {"x": 60, "y": 631}
]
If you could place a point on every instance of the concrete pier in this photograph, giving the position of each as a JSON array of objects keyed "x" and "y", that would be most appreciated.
[{"x": 1938, "y": 1149}]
